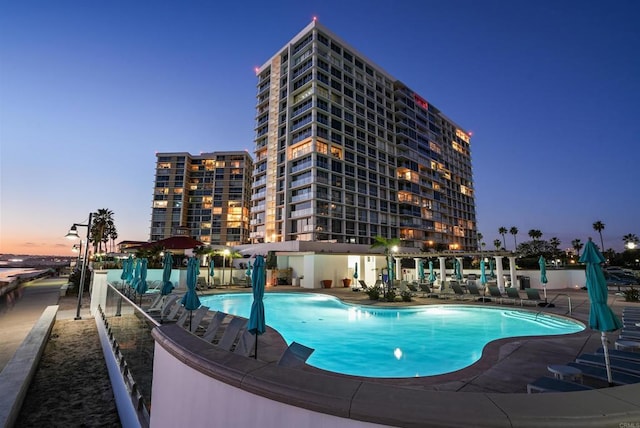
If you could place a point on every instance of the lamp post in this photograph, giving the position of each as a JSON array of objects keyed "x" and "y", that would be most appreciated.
[
  {"x": 225, "y": 253},
  {"x": 73, "y": 234}
]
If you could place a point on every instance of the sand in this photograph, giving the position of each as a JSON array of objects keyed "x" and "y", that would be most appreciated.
[{"x": 71, "y": 387}]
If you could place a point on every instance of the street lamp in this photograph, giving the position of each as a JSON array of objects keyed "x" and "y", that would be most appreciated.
[
  {"x": 73, "y": 234},
  {"x": 77, "y": 248},
  {"x": 225, "y": 253}
]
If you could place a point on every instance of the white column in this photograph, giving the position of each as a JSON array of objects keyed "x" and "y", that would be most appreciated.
[
  {"x": 443, "y": 271},
  {"x": 499, "y": 273},
  {"x": 512, "y": 271},
  {"x": 397, "y": 268},
  {"x": 416, "y": 263}
]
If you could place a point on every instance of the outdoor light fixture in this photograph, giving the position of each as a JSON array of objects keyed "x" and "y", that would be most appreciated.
[{"x": 73, "y": 234}]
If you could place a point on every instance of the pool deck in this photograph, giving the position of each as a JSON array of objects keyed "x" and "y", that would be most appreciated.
[{"x": 507, "y": 365}]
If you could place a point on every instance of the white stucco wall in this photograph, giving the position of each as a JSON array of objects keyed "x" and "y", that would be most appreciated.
[{"x": 184, "y": 397}]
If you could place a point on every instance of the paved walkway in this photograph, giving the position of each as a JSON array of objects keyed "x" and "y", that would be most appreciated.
[{"x": 21, "y": 308}]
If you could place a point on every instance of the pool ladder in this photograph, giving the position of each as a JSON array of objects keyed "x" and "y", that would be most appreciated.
[{"x": 554, "y": 299}]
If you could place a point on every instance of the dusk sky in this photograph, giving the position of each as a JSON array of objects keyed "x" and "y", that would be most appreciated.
[{"x": 91, "y": 90}]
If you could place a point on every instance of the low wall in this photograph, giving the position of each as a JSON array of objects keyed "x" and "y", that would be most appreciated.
[
  {"x": 17, "y": 374},
  {"x": 196, "y": 384}
]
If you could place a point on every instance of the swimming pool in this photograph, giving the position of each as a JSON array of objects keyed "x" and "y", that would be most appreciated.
[{"x": 390, "y": 342}]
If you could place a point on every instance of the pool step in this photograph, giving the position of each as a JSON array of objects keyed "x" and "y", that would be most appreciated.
[{"x": 538, "y": 318}]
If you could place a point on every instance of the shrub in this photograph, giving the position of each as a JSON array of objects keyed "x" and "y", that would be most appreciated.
[
  {"x": 406, "y": 295},
  {"x": 373, "y": 293},
  {"x": 631, "y": 295},
  {"x": 391, "y": 296}
]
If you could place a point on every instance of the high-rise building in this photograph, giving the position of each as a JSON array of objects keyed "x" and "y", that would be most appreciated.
[
  {"x": 206, "y": 197},
  {"x": 345, "y": 152}
]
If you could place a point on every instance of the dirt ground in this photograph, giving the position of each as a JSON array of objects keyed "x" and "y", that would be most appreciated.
[{"x": 71, "y": 386}]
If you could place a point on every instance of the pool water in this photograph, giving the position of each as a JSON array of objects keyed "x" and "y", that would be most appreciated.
[{"x": 390, "y": 342}]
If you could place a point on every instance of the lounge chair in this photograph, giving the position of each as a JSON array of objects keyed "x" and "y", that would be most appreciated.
[
  {"x": 495, "y": 293},
  {"x": 533, "y": 295},
  {"x": 175, "y": 313},
  {"x": 514, "y": 294},
  {"x": 600, "y": 373},
  {"x": 295, "y": 356},
  {"x": 230, "y": 333},
  {"x": 427, "y": 290},
  {"x": 459, "y": 292},
  {"x": 196, "y": 317},
  {"x": 214, "y": 325},
  {"x": 473, "y": 291},
  {"x": 412, "y": 287},
  {"x": 615, "y": 363},
  {"x": 246, "y": 344},
  {"x": 156, "y": 304},
  {"x": 548, "y": 384},
  {"x": 363, "y": 285}
]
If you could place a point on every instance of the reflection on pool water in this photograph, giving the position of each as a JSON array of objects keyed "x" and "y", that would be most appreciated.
[{"x": 390, "y": 342}]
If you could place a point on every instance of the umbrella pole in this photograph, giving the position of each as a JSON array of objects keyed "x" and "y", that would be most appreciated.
[
  {"x": 607, "y": 363},
  {"x": 255, "y": 354}
]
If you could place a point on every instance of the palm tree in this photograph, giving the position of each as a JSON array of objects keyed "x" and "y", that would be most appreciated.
[
  {"x": 101, "y": 228},
  {"x": 497, "y": 243},
  {"x": 113, "y": 235},
  {"x": 577, "y": 245},
  {"x": 480, "y": 244},
  {"x": 598, "y": 226},
  {"x": 387, "y": 244},
  {"x": 514, "y": 231},
  {"x": 503, "y": 231},
  {"x": 630, "y": 238},
  {"x": 535, "y": 234}
]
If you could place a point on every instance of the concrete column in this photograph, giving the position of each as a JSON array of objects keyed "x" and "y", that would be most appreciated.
[
  {"x": 499, "y": 273},
  {"x": 397, "y": 268},
  {"x": 512, "y": 271},
  {"x": 443, "y": 271},
  {"x": 416, "y": 263},
  {"x": 99, "y": 291}
]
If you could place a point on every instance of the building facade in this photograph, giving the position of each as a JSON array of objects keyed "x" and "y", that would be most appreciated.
[
  {"x": 345, "y": 152},
  {"x": 206, "y": 197}
]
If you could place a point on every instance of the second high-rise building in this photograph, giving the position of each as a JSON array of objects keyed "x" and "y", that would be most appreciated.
[{"x": 345, "y": 152}]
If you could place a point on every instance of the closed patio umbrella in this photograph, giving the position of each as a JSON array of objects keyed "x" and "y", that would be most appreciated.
[
  {"x": 129, "y": 277},
  {"x": 491, "y": 273},
  {"x": 432, "y": 274},
  {"x": 421, "y": 270},
  {"x": 543, "y": 275},
  {"x": 125, "y": 265},
  {"x": 601, "y": 317},
  {"x": 257, "y": 325},
  {"x": 141, "y": 286},
  {"x": 458, "y": 270},
  {"x": 190, "y": 300},
  {"x": 483, "y": 273},
  {"x": 136, "y": 275},
  {"x": 355, "y": 271},
  {"x": 167, "y": 263},
  {"x": 212, "y": 270}
]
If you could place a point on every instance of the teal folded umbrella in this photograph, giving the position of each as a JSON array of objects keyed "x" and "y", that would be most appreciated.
[
  {"x": 167, "y": 264},
  {"x": 543, "y": 275},
  {"x": 601, "y": 317},
  {"x": 257, "y": 324},
  {"x": 190, "y": 300}
]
